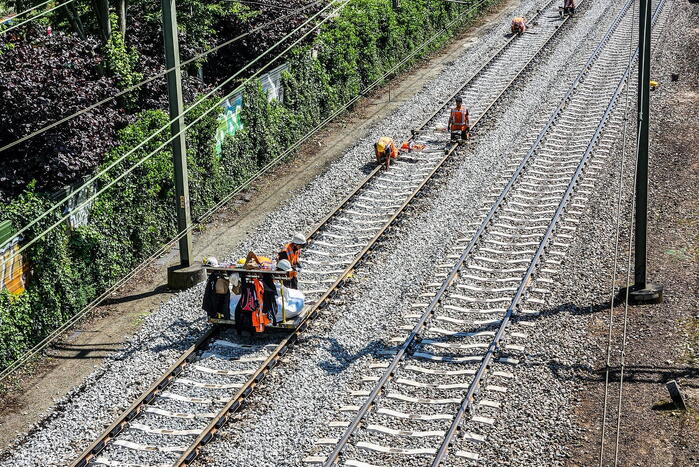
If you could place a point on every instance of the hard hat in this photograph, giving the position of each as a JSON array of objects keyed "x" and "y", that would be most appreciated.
[
  {"x": 299, "y": 238},
  {"x": 284, "y": 265},
  {"x": 458, "y": 100},
  {"x": 211, "y": 261}
]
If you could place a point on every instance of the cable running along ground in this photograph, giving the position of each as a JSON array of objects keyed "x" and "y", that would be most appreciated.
[
  {"x": 616, "y": 247},
  {"x": 654, "y": 18}
]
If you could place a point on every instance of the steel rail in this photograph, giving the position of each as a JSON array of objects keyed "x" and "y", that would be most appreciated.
[
  {"x": 388, "y": 373},
  {"x": 236, "y": 402},
  {"x": 434, "y": 115},
  {"x": 139, "y": 404},
  {"x": 284, "y": 346},
  {"x": 468, "y": 400},
  {"x": 264, "y": 170}
]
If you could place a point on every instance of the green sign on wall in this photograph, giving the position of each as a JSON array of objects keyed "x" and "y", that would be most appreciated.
[{"x": 229, "y": 121}]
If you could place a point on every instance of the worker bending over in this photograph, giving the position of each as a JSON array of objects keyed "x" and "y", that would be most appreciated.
[
  {"x": 519, "y": 25},
  {"x": 385, "y": 149},
  {"x": 458, "y": 121},
  {"x": 568, "y": 7},
  {"x": 291, "y": 252}
]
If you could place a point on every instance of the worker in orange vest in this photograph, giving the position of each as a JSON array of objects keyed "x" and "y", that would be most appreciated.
[
  {"x": 385, "y": 149},
  {"x": 459, "y": 126},
  {"x": 250, "y": 311},
  {"x": 291, "y": 252},
  {"x": 518, "y": 26}
]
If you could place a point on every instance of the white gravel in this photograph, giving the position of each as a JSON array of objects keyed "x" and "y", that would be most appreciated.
[
  {"x": 78, "y": 418},
  {"x": 295, "y": 403},
  {"x": 370, "y": 315}
]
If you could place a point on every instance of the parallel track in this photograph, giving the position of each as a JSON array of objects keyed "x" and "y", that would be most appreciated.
[
  {"x": 462, "y": 332},
  {"x": 348, "y": 234}
]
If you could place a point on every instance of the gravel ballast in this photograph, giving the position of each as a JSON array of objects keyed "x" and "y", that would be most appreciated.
[
  {"x": 346, "y": 348},
  {"x": 302, "y": 395},
  {"x": 167, "y": 332}
]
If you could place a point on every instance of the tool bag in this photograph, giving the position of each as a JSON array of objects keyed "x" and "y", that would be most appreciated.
[
  {"x": 269, "y": 305},
  {"x": 247, "y": 304},
  {"x": 217, "y": 297}
]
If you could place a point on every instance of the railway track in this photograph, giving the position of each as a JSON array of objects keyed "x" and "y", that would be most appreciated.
[
  {"x": 434, "y": 401},
  {"x": 197, "y": 395}
]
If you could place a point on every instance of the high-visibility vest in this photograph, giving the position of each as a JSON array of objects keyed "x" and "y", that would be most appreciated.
[
  {"x": 291, "y": 254},
  {"x": 259, "y": 317},
  {"x": 458, "y": 120},
  {"x": 518, "y": 23},
  {"x": 383, "y": 143}
]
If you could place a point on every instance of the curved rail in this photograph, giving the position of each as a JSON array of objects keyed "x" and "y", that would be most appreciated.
[
  {"x": 236, "y": 402},
  {"x": 494, "y": 346},
  {"x": 469, "y": 398}
]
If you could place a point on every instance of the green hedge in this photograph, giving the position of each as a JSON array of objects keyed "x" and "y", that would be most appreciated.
[{"x": 135, "y": 217}]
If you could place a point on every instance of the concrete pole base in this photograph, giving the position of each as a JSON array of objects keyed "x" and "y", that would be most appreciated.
[
  {"x": 180, "y": 278},
  {"x": 650, "y": 294},
  {"x": 677, "y": 397}
]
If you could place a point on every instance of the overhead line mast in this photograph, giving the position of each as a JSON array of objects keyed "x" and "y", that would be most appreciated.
[{"x": 179, "y": 147}]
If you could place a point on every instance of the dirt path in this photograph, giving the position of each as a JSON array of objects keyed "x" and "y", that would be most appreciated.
[
  {"x": 663, "y": 339},
  {"x": 111, "y": 325}
]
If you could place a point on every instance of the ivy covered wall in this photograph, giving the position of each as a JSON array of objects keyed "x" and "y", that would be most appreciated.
[{"x": 135, "y": 217}]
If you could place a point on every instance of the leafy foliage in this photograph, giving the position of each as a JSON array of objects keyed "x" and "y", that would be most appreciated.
[
  {"x": 133, "y": 217},
  {"x": 42, "y": 81},
  {"x": 121, "y": 62},
  {"x": 228, "y": 60}
]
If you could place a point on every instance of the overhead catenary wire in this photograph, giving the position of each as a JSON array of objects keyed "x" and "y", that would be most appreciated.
[
  {"x": 616, "y": 248},
  {"x": 37, "y": 16},
  {"x": 150, "y": 79},
  {"x": 166, "y": 126},
  {"x": 202, "y": 218}
]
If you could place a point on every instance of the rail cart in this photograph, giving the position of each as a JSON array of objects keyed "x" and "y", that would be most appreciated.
[{"x": 286, "y": 323}]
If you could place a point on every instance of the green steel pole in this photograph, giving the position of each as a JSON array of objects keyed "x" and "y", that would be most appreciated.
[
  {"x": 179, "y": 148},
  {"x": 641, "y": 228}
]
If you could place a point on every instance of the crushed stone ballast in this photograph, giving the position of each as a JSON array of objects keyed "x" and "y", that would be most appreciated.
[
  {"x": 353, "y": 229},
  {"x": 436, "y": 394}
]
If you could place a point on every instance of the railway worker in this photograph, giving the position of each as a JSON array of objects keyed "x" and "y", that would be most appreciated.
[
  {"x": 459, "y": 126},
  {"x": 385, "y": 149},
  {"x": 519, "y": 25},
  {"x": 291, "y": 252},
  {"x": 568, "y": 7},
  {"x": 285, "y": 265}
]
